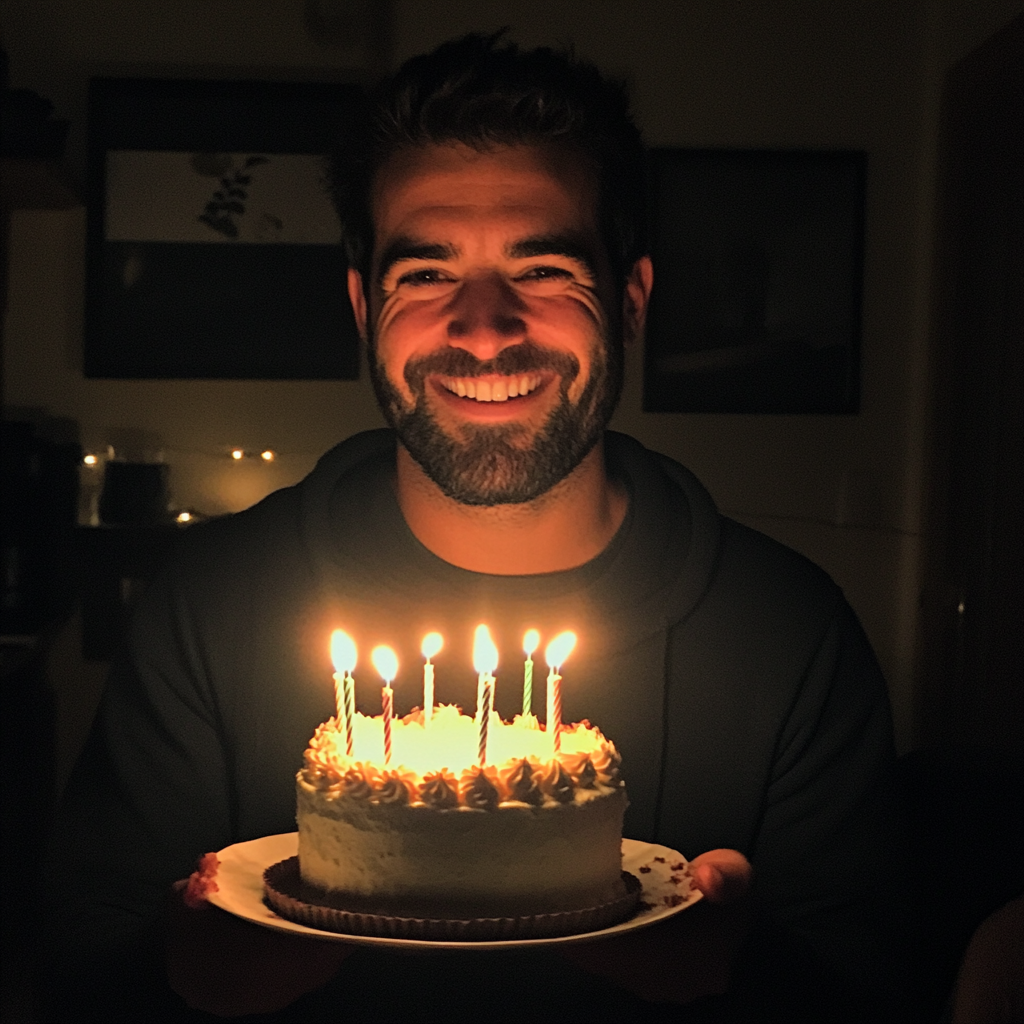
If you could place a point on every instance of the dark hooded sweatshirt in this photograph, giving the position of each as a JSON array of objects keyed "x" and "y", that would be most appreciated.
[{"x": 729, "y": 671}]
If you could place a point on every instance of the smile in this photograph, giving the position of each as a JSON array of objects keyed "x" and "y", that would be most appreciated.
[{"x": 499, "y": 389}]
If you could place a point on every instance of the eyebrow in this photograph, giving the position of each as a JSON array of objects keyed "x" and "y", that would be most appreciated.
[
  {"x": 403, "y": 248},
  {"x": 570, "y": 246}
]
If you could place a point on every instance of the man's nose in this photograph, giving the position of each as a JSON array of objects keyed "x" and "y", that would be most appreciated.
[{"x": 485, "y": 316}]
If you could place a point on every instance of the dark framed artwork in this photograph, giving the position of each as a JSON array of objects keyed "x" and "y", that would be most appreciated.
[
  {"x": 758, "y": 261},
  {"x": 213, "y": 247}
]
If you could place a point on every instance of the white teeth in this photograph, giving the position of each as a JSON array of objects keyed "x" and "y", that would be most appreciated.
[{"x": 492, "y": 391}]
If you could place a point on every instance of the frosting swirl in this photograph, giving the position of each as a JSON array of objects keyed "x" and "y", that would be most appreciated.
[
  {"x": 606, "y": 763},
  {"x": 393, "y": 788},
  {"x": 357, "y": 782},
  {"x": 557, "y": 783},
  {"x": 439, "y": 790},
  {"x": 523, "y": 786},
  {"x": 477, "y": 790}
]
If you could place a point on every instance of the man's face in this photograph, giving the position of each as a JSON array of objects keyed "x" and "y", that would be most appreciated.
[{"x": 492, "y": 351}]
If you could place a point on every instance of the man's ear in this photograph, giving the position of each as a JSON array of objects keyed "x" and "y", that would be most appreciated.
[
  {"x": 635, "y": 299},
  {"x": 357, "y": 297}
]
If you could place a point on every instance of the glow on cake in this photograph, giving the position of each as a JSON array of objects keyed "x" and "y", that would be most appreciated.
[{"x": 535, "y": 829}]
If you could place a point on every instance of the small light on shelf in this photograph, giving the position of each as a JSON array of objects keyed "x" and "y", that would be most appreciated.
[
  {"x": 183, "y": 517},
  {"x": 90, "y": 460},
  {"x": 267, "y": 456},
  {"x": 237, "y": 454}
]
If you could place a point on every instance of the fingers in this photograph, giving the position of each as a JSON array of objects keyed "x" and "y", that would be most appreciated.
[{"x": 723, "y": 876}]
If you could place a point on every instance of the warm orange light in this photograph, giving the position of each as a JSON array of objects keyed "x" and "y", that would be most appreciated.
[
  {"x": 90, "y": 460},
  {"x": 485, "y": 654},
  {"x": 385, "y": 661},
  {"x": 237, "y": 454},
  {"x": 267, "y": 456},
  {"x": 559, "y": 649},
  {"x": 530, "y": 642},
  {"x": 432, "y": 643},
  {"x": 343, "y": 652},
  {"x": 184, "y": 517}
]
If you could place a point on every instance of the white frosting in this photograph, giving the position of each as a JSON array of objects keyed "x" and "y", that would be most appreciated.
[
  {"x": 516, "y": 859},
  {"x": 410, "y": 840}
]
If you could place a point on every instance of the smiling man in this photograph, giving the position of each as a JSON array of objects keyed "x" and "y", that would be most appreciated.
[
  {"x": 494, "y": 221},
  {"x": 496, "y": 330}
]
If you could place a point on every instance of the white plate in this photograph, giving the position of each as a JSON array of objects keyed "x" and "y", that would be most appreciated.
[{"x": 240, "y": 892}]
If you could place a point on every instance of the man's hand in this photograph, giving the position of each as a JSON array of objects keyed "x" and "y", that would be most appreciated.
[
  {"x": 691, "y": 954},
  {"x": 229, "y": 967}
]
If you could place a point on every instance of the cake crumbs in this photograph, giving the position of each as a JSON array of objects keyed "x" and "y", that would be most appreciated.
[
  {"x": 675, "y": 879},
  {"x": 201, "y": 883},
  {"x": 674, "y": 900},
  {"x": 681, "y": 866},
  {"x": 659, "y": 860},
  {"x": 645, "y": 869}
]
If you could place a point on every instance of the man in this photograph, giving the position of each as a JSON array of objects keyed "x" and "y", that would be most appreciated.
[{"x": 495, "y": 234}]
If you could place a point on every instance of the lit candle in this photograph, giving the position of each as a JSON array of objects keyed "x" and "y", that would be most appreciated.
[
  {"x": 557, "y": 651},
  {"x": 343, "y": 654},
  {"x": 385, "y": 661},
  {"x": 530, "y": 642},
  {"x": 485, "y": 661},
  {"x": 432, "y": 643},
  {"x": 486, "y": 704}
]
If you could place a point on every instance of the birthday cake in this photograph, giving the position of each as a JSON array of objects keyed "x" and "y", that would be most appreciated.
[{"x": 533, "y": 832}]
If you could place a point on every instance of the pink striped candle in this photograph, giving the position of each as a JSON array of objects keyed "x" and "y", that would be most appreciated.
[
  {"x": 388, "y": 700},
  {"x": 385, "y": 661},
  {"x": 556, "y": 652}
]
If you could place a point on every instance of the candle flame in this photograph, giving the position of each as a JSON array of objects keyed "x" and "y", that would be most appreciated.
[
  {"x": 432, "y": 643},
  {"x": 559, "y": 649},
  {"x": 343, "y": 652},
  {"x": 530, "y": 642},
  {"x": 485, "y": 654},
  {"x": 385, "y": 661}
]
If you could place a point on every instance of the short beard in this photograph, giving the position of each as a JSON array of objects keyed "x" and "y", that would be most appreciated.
[{"x": 498, "y": 465}]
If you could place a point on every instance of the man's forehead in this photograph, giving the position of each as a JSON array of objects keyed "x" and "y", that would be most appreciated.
[{"x": 459, "y": 181}]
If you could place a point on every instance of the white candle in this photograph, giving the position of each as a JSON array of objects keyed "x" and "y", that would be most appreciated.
[
  {"x": 432, "y": 643},
  {"x": 343, "y": 654},
  {"x": 557, "y": 651}
]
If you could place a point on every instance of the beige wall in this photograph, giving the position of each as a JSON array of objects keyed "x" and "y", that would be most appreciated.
[{"x": 847, "y": 491}]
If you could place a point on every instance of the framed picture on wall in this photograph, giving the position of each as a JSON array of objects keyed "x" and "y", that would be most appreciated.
[
  {"x": 213, "y": 245},
  {"x": 757, "y": 288}
]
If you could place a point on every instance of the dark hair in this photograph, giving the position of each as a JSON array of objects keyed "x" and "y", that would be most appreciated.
[{"x": 484, "y": 91}]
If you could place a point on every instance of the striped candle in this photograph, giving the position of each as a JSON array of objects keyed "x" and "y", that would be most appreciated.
[
  {"x": 530, "y": 642},
  {"x": 486, "y": 701},
  {"x": 385, "y": 661},
  {"x": 557, "y": 651},
  {"x": 343, "y": 654},
  {"x": 350, "y": 712},
  {"x": 388, "y": 700}
]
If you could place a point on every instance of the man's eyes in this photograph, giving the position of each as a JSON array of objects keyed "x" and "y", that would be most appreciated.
[
  {"x": 423, "y": 277},
  {"x": 427, "y": 276},
  {"x": 545, "y": 274}
]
